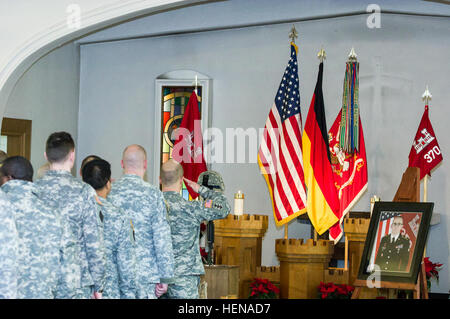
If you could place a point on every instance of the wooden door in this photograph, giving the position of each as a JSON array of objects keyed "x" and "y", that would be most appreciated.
[{"x": 18, "y": 136}]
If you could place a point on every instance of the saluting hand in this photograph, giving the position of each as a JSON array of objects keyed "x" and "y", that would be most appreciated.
[{"x": 195, "y": 187}]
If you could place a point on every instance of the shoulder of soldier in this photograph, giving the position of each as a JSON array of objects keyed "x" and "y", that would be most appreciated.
[
  {"x": 4, "y": 201},
  {"x": 385, "y": 238},
  {"x": 404, "y": 238},
  {"x": 152, "y": 191},
  {"x": 110, "y": 208}
]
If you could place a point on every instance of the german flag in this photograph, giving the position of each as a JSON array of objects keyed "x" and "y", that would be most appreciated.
[{"x": 322, "y": 198}]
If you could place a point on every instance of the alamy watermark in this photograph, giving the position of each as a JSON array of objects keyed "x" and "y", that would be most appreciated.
[
  {"x": 73, "y": 16},
  {"x": 374, "y": 19},
  {"x": 235, "y": 145}
]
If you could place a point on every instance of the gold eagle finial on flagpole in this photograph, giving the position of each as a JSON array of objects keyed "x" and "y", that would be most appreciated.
[
  {"x": 426, "y": 96},
  {"x": 321, "y": 55},
  {"x": 293, "y": 34}
]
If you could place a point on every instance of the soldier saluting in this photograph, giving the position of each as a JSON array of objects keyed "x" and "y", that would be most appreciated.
[
  {"x": 393, "y": 251},
  {"x": 185, "y": 218}
]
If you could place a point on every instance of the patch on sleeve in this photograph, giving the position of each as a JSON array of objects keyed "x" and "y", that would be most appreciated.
[{"x": 208, "y": 203}]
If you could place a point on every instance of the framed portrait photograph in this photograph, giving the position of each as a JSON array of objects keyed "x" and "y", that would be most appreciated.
[{"x": 395, "y": 241}]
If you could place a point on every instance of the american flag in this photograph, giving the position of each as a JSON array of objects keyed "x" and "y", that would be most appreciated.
[{"x": 280, "y": 152}]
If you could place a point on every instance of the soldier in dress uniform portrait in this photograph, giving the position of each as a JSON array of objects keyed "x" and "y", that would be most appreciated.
[{"x": 393, "y": 251}]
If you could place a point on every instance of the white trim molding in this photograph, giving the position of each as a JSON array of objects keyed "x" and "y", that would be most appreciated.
[
  {"x": 38, "y": 42},
  {"x": 185, "y": 78}
]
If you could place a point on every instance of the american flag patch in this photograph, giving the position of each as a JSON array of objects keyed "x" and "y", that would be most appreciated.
[{"x": 208, "y": 203}]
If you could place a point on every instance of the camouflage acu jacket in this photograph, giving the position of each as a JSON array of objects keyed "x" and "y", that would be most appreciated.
[
  {"x": 119, "y": 251},
  {"x": 184, "y": 219},
  {"x": 145, "y": 205},
  {"x": 8, "y": 249},
  {"x": 75, "y": 201},
  {"x": 39, "y": 231}
]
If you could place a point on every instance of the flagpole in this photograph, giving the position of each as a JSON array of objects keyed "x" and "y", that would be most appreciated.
[
  {"x": 425, "y": 188},
  {"x": 321, "y": 56},
  {"x": 426, "y": 97},
  {"x": 292, "y": 35}
]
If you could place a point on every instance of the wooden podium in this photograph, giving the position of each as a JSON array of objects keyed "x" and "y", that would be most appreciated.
[
  {"x": 238, "y": 241},
  {"x": 302, "y": 266},
  {"x": 356, "y": 232}
]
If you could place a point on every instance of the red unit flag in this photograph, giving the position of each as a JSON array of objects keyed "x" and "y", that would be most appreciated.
[
  {"x": 188, "y": 148},
  {"x": 425, "y": 152},
  {"x": 349, "y": 170}
]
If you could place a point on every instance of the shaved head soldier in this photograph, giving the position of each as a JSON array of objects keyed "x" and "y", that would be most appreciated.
[
  {"x": 185, "y": 218},
  {"x": 83, "y": 272},
  {"x": 145, "y": 205}
]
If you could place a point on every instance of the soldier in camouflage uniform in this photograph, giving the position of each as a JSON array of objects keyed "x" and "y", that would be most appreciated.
[
  {"x": 8, "y": 249},
  {"x": 117, "y": 234},
  {"x": 145, "y": 205},
  {"x": 86, "y": 160},
  {"x": 185, "y": 218},
  {"x": 39, "y": 231},
  {"x": 83, "y": 271}
]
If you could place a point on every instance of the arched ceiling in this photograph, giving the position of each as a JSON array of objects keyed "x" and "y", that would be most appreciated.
[{"x": 31, "y": 29}]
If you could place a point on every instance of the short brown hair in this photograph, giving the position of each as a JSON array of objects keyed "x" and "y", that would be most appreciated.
[
  {"x": 171, "y": 172},
  {"x": 58, "y": 146}
]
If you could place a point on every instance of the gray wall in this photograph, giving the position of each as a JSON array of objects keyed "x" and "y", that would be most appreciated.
[
  {"x": 113, "y": 105},
  {"x": 47, "y": 94},
  {"x": 396, "y": 62}
]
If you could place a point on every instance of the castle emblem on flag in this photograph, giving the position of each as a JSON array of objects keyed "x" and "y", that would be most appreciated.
[{"x": 423, "y": 141}]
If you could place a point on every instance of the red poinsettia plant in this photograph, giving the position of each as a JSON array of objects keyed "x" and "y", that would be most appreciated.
[
  {"x": 332, "y": 291},
  {"x": 263, "y": 289},
  {"x": 431, "y": 270}
]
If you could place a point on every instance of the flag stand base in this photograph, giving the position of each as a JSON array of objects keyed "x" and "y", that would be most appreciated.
[
  {"x": 302, "y": 266},
  {"x": 238, "y": 241}
]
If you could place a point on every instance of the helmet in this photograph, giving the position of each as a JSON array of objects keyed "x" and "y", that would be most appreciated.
[{"x": 211, "y": 180}]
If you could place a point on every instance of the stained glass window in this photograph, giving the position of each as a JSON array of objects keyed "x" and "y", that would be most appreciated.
[{"x": 173, "y": 104}]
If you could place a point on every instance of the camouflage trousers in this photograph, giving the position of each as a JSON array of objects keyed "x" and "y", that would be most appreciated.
[
  {"x": 85, "y": 292},
  {"x": 147, "y": 292},
  {"x": 80, "y": 293},
  {"x": 184, "y": 287}
]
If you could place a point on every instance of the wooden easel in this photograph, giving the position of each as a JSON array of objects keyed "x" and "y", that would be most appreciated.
[{"x": 408, "y": 191}]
